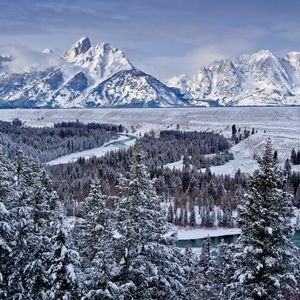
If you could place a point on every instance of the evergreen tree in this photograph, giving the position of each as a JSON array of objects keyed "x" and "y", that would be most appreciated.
[
  {"x": 194, "y": 275},
  {"x": 98, "y": 246},
  {"x": 170, "y": 214},
  {"x": 205, "y": 256},
  {"x": 287, "y": 167},
  {"x": 265, "y": 261},
  {"x": 220, "y": 272},
  {"x": 33, "y": 225},
  {"x": 204, "y": 270},
  {"x": 6, "y": 236},
  {"x": 7, "y": 192},
  {"x": 294, "y": 156},
  {"x": 192, "y": 221},
  {"x": 63, "y": 280},
  {"x": 150, "y": 263}
]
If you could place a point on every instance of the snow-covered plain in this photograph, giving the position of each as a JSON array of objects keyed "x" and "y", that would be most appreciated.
[{"x": 281, "y": 124}]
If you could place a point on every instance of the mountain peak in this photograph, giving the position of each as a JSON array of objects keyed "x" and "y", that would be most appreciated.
[
  {"x": 262, "y": 54},
  {"x": 81, "y": 46}
]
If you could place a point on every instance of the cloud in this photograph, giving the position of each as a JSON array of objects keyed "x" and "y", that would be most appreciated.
[
  {"x": 190, "y": 62},
  {"x": 19, "y": 59}
]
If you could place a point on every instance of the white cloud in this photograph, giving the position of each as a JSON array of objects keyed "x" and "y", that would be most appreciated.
[
  {"x": 165, "y": 67},
  {"x": 26, "y": 60}
]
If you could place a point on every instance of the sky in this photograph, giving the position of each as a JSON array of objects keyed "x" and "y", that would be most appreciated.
[{"x": 161, "y": 37}]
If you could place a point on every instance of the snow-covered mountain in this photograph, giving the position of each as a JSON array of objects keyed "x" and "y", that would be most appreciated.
[
  {"x": 101, "y": 76},
  {"x": 88, "y": 76},
  {"x": 257, "y": 79}
]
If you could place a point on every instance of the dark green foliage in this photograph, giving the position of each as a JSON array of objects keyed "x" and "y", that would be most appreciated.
[{"x": 45, "y": 144}]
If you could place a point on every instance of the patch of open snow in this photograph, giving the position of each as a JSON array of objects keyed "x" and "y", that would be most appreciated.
[
  {"x": 201, "y": 233},
  {"x": 122, "y": 142}
]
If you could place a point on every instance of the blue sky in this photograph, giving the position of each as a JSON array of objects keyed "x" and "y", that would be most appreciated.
[{"x": 162, "y": 37}]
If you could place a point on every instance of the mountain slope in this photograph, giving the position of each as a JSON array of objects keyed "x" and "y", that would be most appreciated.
[
  {"x": 88, "y": 75},
  {"x": 133, "y": 88},
  {"x": 257, "y": 79}
]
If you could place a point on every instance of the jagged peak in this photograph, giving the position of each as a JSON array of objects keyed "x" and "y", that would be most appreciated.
[
  {"x": 81, "y": 46},
  {"x": 293, "y": 55},
  {"x": 262, "y": 54}
]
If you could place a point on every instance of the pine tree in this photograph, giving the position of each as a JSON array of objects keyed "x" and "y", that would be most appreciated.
[
  {"x": 63, "y": 280},
  {"x": 265, "y": 259},
  {"x": 194, "y": 275},
  {"x": 150, "y": 263},
  {"x": 204, "y": 279},
  {"x": 7, "y": 191},
  {"x": 6, "y": 237},
  {"x": 98, "y": 243},
  {"x": 192, "y": 221},
  {"x": 170, "y": 214},
  {"x": 294, "y": 156},
  {"x": 33, "y": 225},
  {"x": 205, "y": 256},
  {"x": 220, "y": 272}
]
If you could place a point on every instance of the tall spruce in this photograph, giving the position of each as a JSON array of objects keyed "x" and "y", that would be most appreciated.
[
  {"x": 33, "y": 225},
  {"x": 265, "y": 259},
  {"x": 98, "y": 247},
  {"x": 6, "y": 234},
  {"x": 7, "y": 192},
  {"x": 64, "y": 263},
  {"x": 150, "y": 263}
]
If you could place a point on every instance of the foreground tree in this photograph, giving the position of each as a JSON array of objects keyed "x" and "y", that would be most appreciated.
[
  {"x": 150, "y": 263},
  {"x": 7, "y": 183},
  {"x": 64, "y": 261},
  {"x": 98, "y": 246},
  {"x": 32, "y": 208},
  {"x": 265, "y": 259}
]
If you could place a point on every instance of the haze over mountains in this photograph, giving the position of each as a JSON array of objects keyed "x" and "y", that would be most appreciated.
[{"x": 101, "y": 76}]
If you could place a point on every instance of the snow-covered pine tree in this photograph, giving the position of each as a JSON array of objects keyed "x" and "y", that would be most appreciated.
[
  {"x": 205, "y": 256},
  {"x": 6, "y": 234},
  {"x": 192, "y": 219},
  {"x": 7, "y": 185},
  {"x": 150, "y": 263},
  {"x": 7, "y": 181},
  {"x": 220, "y": 272},
  {"x": 33, "y": 229},
  {"x": 204, "y": 288},
  {"x": 265, "y": 260},
  {"x": 97, "y": 245},
  {"x": 194, "y": 276},
  {"x": 64, "y": 262}
]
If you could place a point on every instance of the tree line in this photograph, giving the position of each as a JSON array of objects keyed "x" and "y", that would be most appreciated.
[{"x": 49, "y": 143}]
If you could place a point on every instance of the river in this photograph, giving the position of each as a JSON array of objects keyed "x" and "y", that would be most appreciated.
[{"x": 229, "y": 239}]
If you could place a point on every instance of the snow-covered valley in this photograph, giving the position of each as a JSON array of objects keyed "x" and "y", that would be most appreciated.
[{"x": 282, "y": 125}]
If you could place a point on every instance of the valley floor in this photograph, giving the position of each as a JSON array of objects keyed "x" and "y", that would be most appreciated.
[{"x": 281, "y": 124}]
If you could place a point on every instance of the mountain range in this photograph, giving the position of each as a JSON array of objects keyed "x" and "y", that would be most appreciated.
[{"x": 101, "y": 76}]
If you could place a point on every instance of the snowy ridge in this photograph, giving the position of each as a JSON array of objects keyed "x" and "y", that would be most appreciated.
[
  {"x": 258, "y": 79},
  {"x": 101, "y": 76}
]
